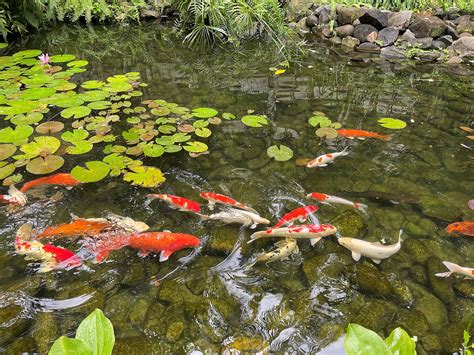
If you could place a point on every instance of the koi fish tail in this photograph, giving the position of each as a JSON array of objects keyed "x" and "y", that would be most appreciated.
[
  {"x": 451, "y": 267},
  {"x": 344, "y": 152},
  {"x": 384, "y": 137},
  {"x": 361, "y": 207},
  {"x": 203, "y": 216}
]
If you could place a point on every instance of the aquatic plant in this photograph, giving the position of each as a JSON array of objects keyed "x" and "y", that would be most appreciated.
[
  {"x": 280, "y": 153},
  {"x": 95, "y": 336},
  {"x": 392, "y": 123}
]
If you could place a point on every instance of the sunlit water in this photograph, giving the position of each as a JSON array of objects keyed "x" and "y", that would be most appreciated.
[{"x": 210, "y": 299}]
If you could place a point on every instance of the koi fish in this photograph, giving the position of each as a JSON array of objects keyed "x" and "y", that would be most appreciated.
[
  {"x": 375, "y": 251},
  {"x": 285, "y": 248},
  {"x": 63, "y": 179},
  {"x": 183, "y": 204},
  {"x": 165, "y": 243},
  {"x": 214, "y": 198},
  {"x": 14, "y": 196},
  {"x": 300, "y": 213},
  {"x": 466, "y": 228},
  {"x": 235, "y": 216},
  {"x": 328, "y": 199},
  {"x": 77, "y": 228},
  {"x": 325, "y": 159},
  {"x": 314, "y": 232},
  {"x": 126, "y": 224},
  {"x": 52, "y": 257},
  {"x": 356, "y": 133},
  {"x": 456, "y": 269}
]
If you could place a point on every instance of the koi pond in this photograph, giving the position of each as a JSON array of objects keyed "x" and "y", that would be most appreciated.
[{"x": 156, "y": 117}]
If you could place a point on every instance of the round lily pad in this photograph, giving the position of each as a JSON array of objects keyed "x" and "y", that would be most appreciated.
[
  {"x": 392, "y": 123},
  {"x": 75, "y": 135},
  {"x": 92, "y": 84},
  {"x": 167, "y": 129},
  {"x": 17, "y": 134},
  {"x": 37, "y": 93},
  {"x": 203, "y": 132},
  {"x": 215, "y": 120},
  {"x": 30, "y": 118},
  {"x": 173, "y": 148},
  {"x": 153, "y": 150},
  {"x": 7, "y": 150},
  {"x": 44, "y": 165},
  {"x": 62, "y": 58},
  {"x": 6, "y": 171},
  {"x": 282, "y": 153},
  {"x": 75, "y": 112},
  {"x": 78, "y": 63},
  {"x": 186, "y": 128},
  {"x": 196, "y": 147},
  {"x": 321, "y": 121},
  {"x": 201, "y": 123},
  {"x": 95, "y": 171},
  {"x": 99, "y": 105},
  {"x": 204, "y": 112},
  {"x": 42, "y": 145},
  {"x": 145, "y": 176},
  {"x": 254, "y": 120},
  {"x": 327, "y": 132},
  {"x": 80, "y": 147},
  {"x": 228, "y": 116},
  {"x": 50, "y": 127},
  {"x": 162, "y": 111},
  {"x": 29, "y": 53}
]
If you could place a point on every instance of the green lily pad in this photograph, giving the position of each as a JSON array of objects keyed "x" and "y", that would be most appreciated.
[
  {"x": 282, "y": 153},
  {"x": 118, "y": 163},
  {"x": 214, "y": 120},
  {"x": 203, "y": 132},
  {"x": 29, "y": 53},
  {"x": 42, "y": 145},
  {"x": 62, "y": 58},
  {"x": 19, "y": 106},
  {"x": 186, "y": 128},
  {"x": 78, "y": 63},
  {"x": 7, "y": 150},
  {"x": 50, "y": 127},
  {"x": 162, "y": 111},
  {"x": 204, "y": 112},
  {"x": 167, "y": 129},
  {"x": 228, "y": 116},
  {"x": 153, "y": 150},
  {"x": 336, "y": 125},
  {"x": 145, "y": 176},
  {"x": 99, "y": 105},
  {"x": 12, "y": 179},
  {"x": 327, "y": 132},
  {"x": 44, "y": 165},
  {"x": 133, "y": 120},
  {"x": 96, "y": 171},
  {"x": 19, "y": 133},
  {"x": 131, "y": 135},
  {"x": 94, "y": 95},
  {"x": 118, "y": 87},
  {"x": 92, "y": 84},
  {"x": 75, "y": 112},
  {"x": 65, "y": 101},
  {"x": 196, "y": 147},
  {"x": 6, "y": 171},
  {"x": 80, "y": 147},
  {"x": 392, "y": 123},
  {"x": 321, "y": 121},
  {"x": 254, "y": 120},
  {"x": 37, "y": 93},
  {"x": 180, "y": 137},
  {"x": 178, "y": 110},
  {"x": 62, "y": 85},
  {"x": 38, "y": 79},
  {"x": 201, "y": 123},
  {"x": 29, "y": 119},
  {"x": 165, "y": 140},
  {"x": 174, "y": 148},
  {"x": 75, "y": 135}
]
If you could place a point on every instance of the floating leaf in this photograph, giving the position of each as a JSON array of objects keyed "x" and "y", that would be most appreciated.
[
  {"x": 167, "y": 129},
  {"x": 66, "y": 100},
  {"x": 196, "y": 147},
  {"x": 145, "y": 176},
  {"x": 327, "y": 132},
  {"x": 336, "y": 125},
  {"x": 75, "y": 135},
  {"x": 254, "y": 120},
  {"x": 80, "y": 147},
  {"x": 179, "y": 110},
  {"x": 61, "y": 58},
  {"x": 153, "y": 150},
  {"x": 96, "y": 171},
  {"x": 173, "y": 148},
  {"x": 6, "y": 171},
  {"x": 204, "y": 112},
  {"x": 7, "y": 150},
  {"x": 78, "y": 63},
  {"x": 99, "y": 105},
  {"x": 37, "y": 93},
  {"x": 180, "y": 137},
  {"x": 282, "y": 153},
  {"x": 75, "y": 112},
  {"x": 12, "y": 179},
  {"x": 118, "y": 87},
  {"x": 162, "y": 111},
  {"x": 201, "y": 124},
  {"x": 392, "y": 123},
  {"x": 228, "y": 116},
  {"x": 186, "y": 128},
  {"x": 42, "y": 145},
  {"x": 29, "y": 53},
  {"x": 44, "y": 165},
  {"x": 31, "y": 118},
  {"x": 92, "y": 84},
  {"x": 214, "y": 120},
  {"x": 321, "y": 121},
  {"x": 50, "y": 127},
  {"x": 280, "y": 71},
  {"x": 19, "y": 133},
  {"x": 203, "y": 132}
]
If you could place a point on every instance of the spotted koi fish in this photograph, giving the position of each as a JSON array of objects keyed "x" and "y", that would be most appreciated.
[
  {"x": 285, "y": 248},
  {"x": 466, "y": 228},
  {"x": 55, "y": 179},
  {"x": 325, "y": 159},
  {"x": 301, "y": 214},
  {"x": 356, "y": 133},
  {"x": 214, "y": 198},
  {"x": 456, "y": 269},
  {"x": 328, "y": 199},
  {"x": 183, "y": 204},
  {"x": 311, "y": 231}
]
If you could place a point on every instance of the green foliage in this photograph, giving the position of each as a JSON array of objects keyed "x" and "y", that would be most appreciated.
[
  {"x": 281, "y": 153},
  {"x": 397, "y": 5},
  {"x": 94, "y": 336}
]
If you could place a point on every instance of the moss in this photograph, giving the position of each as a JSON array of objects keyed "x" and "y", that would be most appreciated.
[
  {"x": 330, "y": 265},
  {"x": 173, "y": 291},
  {"x": 174, "y": 331},
  {"x": 413, "y": 321},
  {"x": 375, "y": 315},
  {"x": 245, "y": 344},
  {"x": 139, "y": 311},
  {"x": 11, "y": 315},
  {"x": 370, "y": 280},
  {"x": 350, "y": 224},
  {"x": 222, "y": 240},
  {"x": 417, "y": 250},
  {"x": 45, "y": 331},
  {"x": 20, "y": 346},
  {"x": 442, "y": 287}
]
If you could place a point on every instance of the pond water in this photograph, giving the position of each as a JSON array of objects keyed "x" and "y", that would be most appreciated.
[{"x": 210, "y": 299}]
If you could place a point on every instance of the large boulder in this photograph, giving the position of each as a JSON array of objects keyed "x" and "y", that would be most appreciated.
[
  {"x": 344, "y": 31},
  {"x": 466, "y": 26},
  {"x": 347, "y": 15},
  {"x": 463, "y": 47},
  {"x": 393, "y": 52},
  {"x": 365, "y": 33},
  {"x": 375, "y": 17},
  {"x": 311, "y": 21},
  {"x": 400, "y": 20},
  {"x": 388, "y": 36},
  {"x": 408, "y": 39},
  {"x": 431, "y": 26}
]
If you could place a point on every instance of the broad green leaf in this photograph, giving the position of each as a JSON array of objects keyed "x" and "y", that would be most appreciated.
[
  {"x": 145, "y": 176},
  {"x": 92, "y": 84},
  {"x": 327, "y": 132},
  {"x": 29, "y": 119},
  {"x": 78, "y": 63},
  {"x": 201, "y": 124},
  {"x": 228, "y": 116},
  {"x": 75, "y": 112},
  {"x": 361, "y": 341},
  {"x": 254, "y": 120},
  {"x": 153, "y": 150},
  {"x": 62, "y": 58},
  {"x": 44, "y": 165},
  {"x": 94, "y": 95},
  {"x": 43, "y": 145},
  {"x": 7, "y": 150},
  {"x": 29, "y": 53},
  {"x": 173, "y": 148},
  {"x": 321, "y": 121},
  {"x": 80, "y": 147},
  {"x": 118, "y": 87},
  {"x": 37, "y": 93},
  {"x": 196, "y": 147},
  {"x": 392, "y": 123},
  {"x": 162, "y": 111},
  {"x": 165, "y": 140},
  {"x": 180, "y": 137},
  {"x": 97, "y": 332},
  {"x": 204, "y": 112},
  {"x": 19, "y": 133},
  {"x": 96, "y": 171},
  {"x": 75, "y": 135},
  {"x": 282, "y": 153},
  {"x": 131, "y": 135},
  {"x": 37, "y": 79},
  {"x": 66, "y": 101},
  {"x": 99, "y": 105},
  {"x": 400, "y": 343},
  {"x": 167, "y": 129},
  {"x": 6, "y": 171},
  {"x": 68, "y": 346},
  {"x": 203, "y": 132}
]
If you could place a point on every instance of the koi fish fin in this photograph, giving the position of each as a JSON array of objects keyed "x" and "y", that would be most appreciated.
[
  {"x": 443, "y": 274},
  {"x": 250, "y": 209},
  {"x": 101, "y": 256},
  {"x": 143, "y": 253},
  {"x": 361, "y": 207},
  {"x": 344, "y": 152},
  {"x": 356, "y": 256},
  {"x": 322, "y": 165},
  {"x": 452, "y": 267},
  {"x": 313, "y": 241},
  {"x": 211, "y": 205},
  {"x": 377, "y": 261},
  {"x": 203, "y": 216},
  {"x": 166, "y": 230},
  {"x": 165, "y": 254},
  {"x": 253, "y": 226}
]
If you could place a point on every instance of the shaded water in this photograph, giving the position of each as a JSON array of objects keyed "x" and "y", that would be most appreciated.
[{"x": 208, "y": 300}]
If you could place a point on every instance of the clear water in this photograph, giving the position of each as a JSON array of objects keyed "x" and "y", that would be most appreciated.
[{"x": 210, "y": 300}]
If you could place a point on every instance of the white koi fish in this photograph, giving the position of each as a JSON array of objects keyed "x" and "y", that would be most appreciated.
[
  {"x": 14, "y": 196},
  {"x": 375, "y": 251},
  {"x": 235, "y": 216},
  {"x": 305, "y": 231},
  {"x": 456, "y": 269},
  {"x": 285, "y": 248},
  {"x": 325, "y": 159},
  {"x": 328, "y": 199}
]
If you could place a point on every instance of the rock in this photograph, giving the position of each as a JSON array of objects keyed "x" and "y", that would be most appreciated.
[
  {"x": 400, "y": 290},
  {"x": 417, "y": 250},
  {"x": 413, "y": 321},
  {"x": 154, "y": 317},
  {"x": 336, "y": 40},
  {"x": 424, "y": 43},
  {"x": 375, "y": 315},
  {"x": 465, "y": 34},
  {"x": 130, "y": 345},
  {"x": 454, "y": 60},
  {"x": 375, "y": 17},
  {"x": 370, "y": 280},
  {"x": 327, "y": 32},
  {"x": 432, "y": 343},
  {"x": 408, "y": 39},
  {"x": 329, "y": 265},
  {"x": 324, "y": 14},
  {"x": 347, "y": 15},
  {"x": 439, "y": 12},
  {"x": 222, "y": 240},
  {"x": 45, "y": 331},
  {"x": 418, "y": 273},
  {"x": 118, "y": 306},
  {"x": 246, "y": 345},
  {"x": 302, "y": 26},
  {"x": 11, "y": 315},
  {"x": 260, "y": 161},
  {"x": 174, "y": 331},
  {"x": 344, "y": 31},
  {"x": 134, "y": 276},
  {"x": 139, "y": 311},
  {"x": 311, "y": 21},
  {"x": 147, "y": 13},
  {"x": 451, "y": 31},
  {"x": 350, "y": 224},
  {"x": 465, "y": 287},
  {"x": 447, "y": 39},
  {"x": 439, "y": 45},
  {"x": 393, "y": 52},
  {"x": 368, "y": 47},
  {"x": 350, "y": 42},
  {"x": 400, "y": 20},
  {"x": 173, "y": 291},
  {"x": 427, "y": 27},
  {"x": 363, "y": 32},
  {"x": 441, "y": 287},
  {"x": 388, "y": 36},
  {"x": 21, "y": 346},
  {"x": 452, "y": 336},
  {"x": 466, "y": 26}
]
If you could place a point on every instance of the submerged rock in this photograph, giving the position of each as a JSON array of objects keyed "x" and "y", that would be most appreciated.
[
  {"x": 376, "y": 315},
  {"x": 223, "y": 239},
  {"x": 243, "y": 344},
  {"x": 11, "y": 324},
  {"x": 350, "y": 224},
  {"x": 329, "y": 265},
  {"x": 413, "y": 321},
  {"x": 21, "y": 346},
  {"x": 417, "y": 250},
  {"x": 442, "y": 287},
  {"x": 45, "y": 331},
  {"x": 370, "y": 280}
]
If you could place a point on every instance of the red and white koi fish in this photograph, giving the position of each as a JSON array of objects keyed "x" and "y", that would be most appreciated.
[
  {"x": 300, "y": 213},
  {"x": 165, "y": 243},
  {"x": 62, "y": 179},
  {"x": 357, "y": 133},
  {"x": 183, "y": 204},
  {"x": 456, "y": 269},
  {"x": 236, "y": 216},
  {"x": 311, "y": 231},
  {"x": 328, "y": 199},
  {"x": 325, "y": 159},
  {"x": 14, "y": 196},
  {"x": 52, "y": 257},
  {"x": 214, "y": 198}
]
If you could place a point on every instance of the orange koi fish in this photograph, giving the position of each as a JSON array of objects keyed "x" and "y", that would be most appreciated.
[
  {"x": 183, "y": 204},
  {"x": 300, "y": 213},
  {"x": 356, "y": 133},
  {"x": 165, "y": 243},
  {"x": 466, "y": 228},
  {"x": 214, "y": 198},
  {"x": 77, "y": 228},
  {"x": 55, "y": 179},
  {"x": 325, "y": 159},
  {"x": 328, "y": 199}
]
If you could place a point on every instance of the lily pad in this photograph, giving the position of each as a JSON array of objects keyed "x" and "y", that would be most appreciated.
[
  {"x": 201, "y": 124},
  {"x": 204, "y": 112},
  {"x": 321, "y": 121},
  {"x": 62, "y": 58},
  {"x": 78, "y": 63},
  {"x": 282, "y": 153},
  {"x": 254, "y": 120},
  {"x": 99, "y": 105},
  {"x": 80, "y": 147},
  {"x": 215, "y": 120},
  {"x": 153, "y": 150},
  {"x": 167, "y": 129},
  {"x": 92, "y": 84},
  {"x": 327, "y": 132},
  {"x": 29, "y": 53},
  {"x": 7, "y": 150},
  {"x": 118, "y": 87},
  {"x": 174, "y": 148},
  {"x": 145, "y": 176},
  {"x": 75, "y": 112},
  {"x": 37, "y": 93},
  {"x": 44, "y": 165},
  {"x": 42, "y": 145},
  {"x": 392, "y": 123},
  {"x": 228, "y": 116},
  {"x": 17, "y": 134},
  {"x": 66, "y": 101},
  {"x": 196, "y": 147},
  {"x": 30, "y": 118},
  {"x": 75, "y": 135},
  {"x": 50, "y": 127},
  {"x": 186, "y": 128},
  {"x": 96, "y": 171},
  {"x": 6, "y": 171},
  {"x": 203, "y": 132}
]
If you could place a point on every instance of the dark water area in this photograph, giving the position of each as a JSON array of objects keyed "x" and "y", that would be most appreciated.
[{"x": 209, "y": 299}]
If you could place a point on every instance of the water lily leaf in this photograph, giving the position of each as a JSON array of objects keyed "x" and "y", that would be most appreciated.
[
  {"x": 10, "y": 74},
  {"x": 19, "y": 106},
  {"x": 99, "y": 105},
  {"x": 80, "y": 147},
  {"x": 42, "y": 145},
  {"x": 326, "y": 132},
  {"x": 173, "y": 148},
  {"x": 178, "y": 110},
  {"x": 133, "y": 120},
  {"x": 135, "y": 151},
  {"x": 196, "y": 147},
  {"x": 180, "y": 137},
  {"x": 75, "y": 135},
  {"x": 282, "y": 153},
  {"x": 201, "y": 124},
  {"x": 336, "y": 125},
  {"x": 92, "y": 84},
  {"x": 31, "y": 118},
  {"x": 37, "y": 93},
  {"x": 186, "y": 128},
  {"x": 12, "y": 179},
  {"x": 96, "y": 171},
  {"x": 214, "y": 120},
  {"x": 37, "y": 79},
  {"x": 162, "y": 111},
  {"x": 7, "y": 150},
  {"x": 67, "y": 101},
  {"x": 62, "y": 58},
  {"x": 392, "y": 123},
  {"x": 254, "y": 120},
  {"x": 167, "y": 129},
  {"x": 145, "y": 176},
  {"x": 118, "y": 87},
  {"x": 78, "y": 63},
  {"x": 164, "y": 140},
  {"x": 44, "y": 165},
  {"x": 19, "y": 133},
  {"x": 204, "y": 112},
  {"x": 319, "y": 120},
  {"x": 29, "y": 53},
  {"x": 50, "y": 127},
  {"x": 228, "y": 116},
  {"x": 62, "y": 85},
  {"x": 6, "y": 171},
  {"x": 75, "y": 112},
  {"x": 131, "y": 135},
  {"x": 203, "y": 132},
  {"x": 94, "y": 95},
  {"x": 153, "y": 150}
]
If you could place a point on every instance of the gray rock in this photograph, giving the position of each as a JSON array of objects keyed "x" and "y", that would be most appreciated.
[
  {"x": 461, "y": 19},
  {"x": 347, "y": 15},
  {"x": 356, "y": 23},
  {"x": 451, "y": 31},
  {"x": 439, "y": 12},
  {"x": 327, "y": 32},
  {"x": 393, "y": 52},
  {"x": 447, "y": 40},
  {"x": 336, "y": 40},
  {"x": 427, "y": 27},
  {"x": 147, "y": 13},
  {"x": 454, "y": 60},
  {"x": 424, "y": 43},
  {"x": 350, "y": 42},
  {"x": 344, "y": 31},
  {"x": 375, "y": 17},
  {"x": 370, "y": 280},
  {"x": 408, "y": 39},
  {"x": 400, "y": 20},
  {"x": 439, "y": 45},
  {"x": 368, "y": 47},
  {"x": 428, "y": 56},
  {"x": 463, "y": 47},
  {"x": 465, "y": 34},
  {"x": 311, "y": 21},
  {"x": 302, "y": 26},
  {"x": 365, "y": 32},
  {"x": 388, "y": 36},
  {"x": 324, "y": 14},
  {"x": 466, "y": 26}
]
